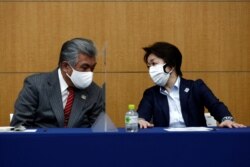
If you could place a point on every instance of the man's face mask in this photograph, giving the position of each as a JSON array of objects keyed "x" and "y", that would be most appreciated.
[
  {"x": 158, "y": 74},
  {"x": 81, "y": 80}
]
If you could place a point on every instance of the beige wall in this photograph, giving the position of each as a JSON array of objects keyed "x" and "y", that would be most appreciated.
[{"x": 214, "y": 38}]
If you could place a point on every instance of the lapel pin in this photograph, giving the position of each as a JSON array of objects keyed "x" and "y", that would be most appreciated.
[
  {"x": 186, "y": 90},
  {"x": 83, "y": 97}
]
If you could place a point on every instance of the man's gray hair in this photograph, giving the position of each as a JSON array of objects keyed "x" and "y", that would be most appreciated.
[{"x": 71, "y": 49}]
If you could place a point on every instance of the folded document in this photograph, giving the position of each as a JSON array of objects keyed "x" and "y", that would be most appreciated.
[
  {"x": 16, "y": 129},
  {"x": 189, "y": 129}
]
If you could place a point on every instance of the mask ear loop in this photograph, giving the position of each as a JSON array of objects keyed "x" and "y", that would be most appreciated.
[{"x": 164, "y": 68}]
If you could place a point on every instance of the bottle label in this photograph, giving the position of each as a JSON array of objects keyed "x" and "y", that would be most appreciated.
[{"x": 131, "y": 119}]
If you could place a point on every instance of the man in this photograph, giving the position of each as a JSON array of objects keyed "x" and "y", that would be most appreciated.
[
  {"x": 66, "y": 97},
  {"x": 175, "y": 101}
]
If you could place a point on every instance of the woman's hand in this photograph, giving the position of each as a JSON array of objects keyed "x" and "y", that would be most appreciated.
[
  {"x": 231, "y": 124},
  {"x": 144, "y": 124}
]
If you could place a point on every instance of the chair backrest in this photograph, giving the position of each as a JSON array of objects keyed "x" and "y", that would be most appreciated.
[
  {"x": 11, "y": 115},
  {"x": 210, "y": 120}
]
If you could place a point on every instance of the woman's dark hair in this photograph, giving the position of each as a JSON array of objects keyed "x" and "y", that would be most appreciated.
[{"x": 166, "y": 51}]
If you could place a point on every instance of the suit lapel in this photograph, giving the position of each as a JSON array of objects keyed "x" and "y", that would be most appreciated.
[
  {"x": 81, "y": 96},
  {"x": 55, "y": 97},
  {"x": 184, "y": 93}
]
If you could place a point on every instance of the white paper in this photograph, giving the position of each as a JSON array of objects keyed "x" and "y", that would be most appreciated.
[
  {"x": 29, "y": 130},
  {"x": 12, "y": 129},
  {"x": 6, "y": 128},
  {"x": 189, "y": 129}
]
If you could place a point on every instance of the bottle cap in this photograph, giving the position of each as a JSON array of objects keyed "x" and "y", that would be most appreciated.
[{"x": 131, "y": 106}]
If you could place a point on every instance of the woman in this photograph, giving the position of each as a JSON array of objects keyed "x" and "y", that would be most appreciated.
[{"x": 175, "y": 101}]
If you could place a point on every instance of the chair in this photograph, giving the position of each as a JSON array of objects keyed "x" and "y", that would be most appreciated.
[
  {"x": 210, "y": 120},
  {"x": 11, "y": 115}
]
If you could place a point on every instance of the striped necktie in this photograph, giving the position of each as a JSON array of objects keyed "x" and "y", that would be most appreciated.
[{"x": 68, "y": 106}]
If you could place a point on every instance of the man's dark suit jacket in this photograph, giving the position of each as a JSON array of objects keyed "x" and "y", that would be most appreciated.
[
  {"x": 39, "y": 103},
  {"x": 194, "y": 96}
]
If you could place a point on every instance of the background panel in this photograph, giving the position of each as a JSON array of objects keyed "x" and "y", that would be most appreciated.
[
  {"x": 215, "y": 34},
  {"x": 32, "y": 33}
]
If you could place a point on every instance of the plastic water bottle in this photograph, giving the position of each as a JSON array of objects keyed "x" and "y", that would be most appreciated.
[{"x": 131, "y": 119}]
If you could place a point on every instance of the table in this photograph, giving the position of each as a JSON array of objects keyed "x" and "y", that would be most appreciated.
[{"x": 154, "y": 147}]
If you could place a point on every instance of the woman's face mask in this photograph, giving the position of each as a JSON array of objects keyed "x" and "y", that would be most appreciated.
[
  {"x": 158, "y": 75},
  {"x": 81, "y": 80}
]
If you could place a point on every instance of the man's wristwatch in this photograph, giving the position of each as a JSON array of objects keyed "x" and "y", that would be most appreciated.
[{"x": 227, "y": 118}]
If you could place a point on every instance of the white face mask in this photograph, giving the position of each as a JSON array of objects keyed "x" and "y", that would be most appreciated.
[
  {"x": 81, "y": 80},
  {"x": 158, "y": 75}
]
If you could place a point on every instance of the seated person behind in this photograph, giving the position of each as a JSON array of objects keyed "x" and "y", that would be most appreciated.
[
  {"x": 175, "y": 101},
  {"x": 65, "y": 97}
]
